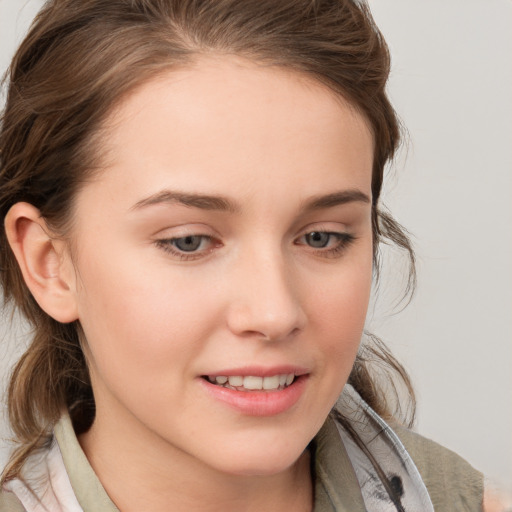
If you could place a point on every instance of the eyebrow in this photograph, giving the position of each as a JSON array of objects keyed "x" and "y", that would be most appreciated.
[
  {"x": 336, "y": 199},
  {"x": 204, "y": 202},
  {"x": 223, "y": 204}
]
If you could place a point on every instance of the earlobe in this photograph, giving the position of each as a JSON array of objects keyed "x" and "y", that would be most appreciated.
[{"x": 44, "y": 262}]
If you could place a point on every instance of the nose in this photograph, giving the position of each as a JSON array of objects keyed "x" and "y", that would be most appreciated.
[{"x": 267, "y": 303}]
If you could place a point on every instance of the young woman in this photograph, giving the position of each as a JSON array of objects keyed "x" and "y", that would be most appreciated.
[{"x": 190, "y": 192}]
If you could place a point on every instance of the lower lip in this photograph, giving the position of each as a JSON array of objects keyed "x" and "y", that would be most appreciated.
[{"x": 259, "y": 403}]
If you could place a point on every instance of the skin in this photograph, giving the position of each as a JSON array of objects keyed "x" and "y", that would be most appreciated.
[
  {"x": 258, "y": 291},
  {"x": 496, "y": 500}
]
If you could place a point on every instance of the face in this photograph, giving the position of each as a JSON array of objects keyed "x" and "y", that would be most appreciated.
[{"x": 224, "y": 263}]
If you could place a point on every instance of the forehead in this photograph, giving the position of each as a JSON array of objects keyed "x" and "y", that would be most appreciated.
[{"x": 230, "y": 120}]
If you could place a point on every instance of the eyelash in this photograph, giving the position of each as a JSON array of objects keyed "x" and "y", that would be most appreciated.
[
  {"x": 167, "y": 244},
  {"x": 343, "y": 241}
]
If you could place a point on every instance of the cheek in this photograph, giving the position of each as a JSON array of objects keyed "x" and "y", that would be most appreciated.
[
  {"x": 139, "y": 321},
  {"x": 341, "y": 302},
  {"x": 341, "y": 323},
  {"x": 340, "y": 309}
]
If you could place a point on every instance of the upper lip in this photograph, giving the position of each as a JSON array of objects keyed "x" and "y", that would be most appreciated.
[{"x": 260, "y": 371}]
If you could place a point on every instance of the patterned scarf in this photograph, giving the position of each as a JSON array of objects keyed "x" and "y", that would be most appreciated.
[{"x": 383, "y": 461}]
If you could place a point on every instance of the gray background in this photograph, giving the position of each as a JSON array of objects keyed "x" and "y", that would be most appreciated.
[{"x": 451, "y": 186}]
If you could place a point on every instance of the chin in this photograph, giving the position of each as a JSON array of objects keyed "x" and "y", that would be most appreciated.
[{"x": 262, "y": 462}]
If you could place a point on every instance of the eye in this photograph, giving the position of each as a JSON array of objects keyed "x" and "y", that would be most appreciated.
[
  {"x": 188, "y": 247},
  {"x": 327, "y": 244},
  {"x": 318, "y": 239},
  {"x": 188, "y": 243}
]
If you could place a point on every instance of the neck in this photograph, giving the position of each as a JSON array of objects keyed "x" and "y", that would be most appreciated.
[{"x": 141, "y": 471}]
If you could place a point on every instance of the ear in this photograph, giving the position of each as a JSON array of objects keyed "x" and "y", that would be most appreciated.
[{"x": 44, "y": 262}]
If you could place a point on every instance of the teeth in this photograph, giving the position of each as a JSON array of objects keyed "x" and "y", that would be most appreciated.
[
  {"x": 251, "y": 382},
  {"x": 271, "y": 382},
  {"x": 236, "y": 381}
]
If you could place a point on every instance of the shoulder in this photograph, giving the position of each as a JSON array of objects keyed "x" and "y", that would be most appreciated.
[
  {"x": 9, "y": 502},
  {"x": 452, "y": 483}
]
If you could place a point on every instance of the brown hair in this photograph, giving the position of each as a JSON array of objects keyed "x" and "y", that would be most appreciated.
[{"x": 80, "y": 58}]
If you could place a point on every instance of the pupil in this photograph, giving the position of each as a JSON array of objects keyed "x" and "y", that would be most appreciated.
[
  {"x": 317, "y": 239},
  {"x": 188, "y": 243}
]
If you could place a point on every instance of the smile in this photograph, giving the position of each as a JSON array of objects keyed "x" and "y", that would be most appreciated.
[
  {"x": 257, "y": 395},
  {"x": 252, "y": 382}
]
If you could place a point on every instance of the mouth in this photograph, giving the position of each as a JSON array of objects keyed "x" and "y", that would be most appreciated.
[
  {"x": 249, "y": 383},
  {"x": 257, "y": 391}
]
